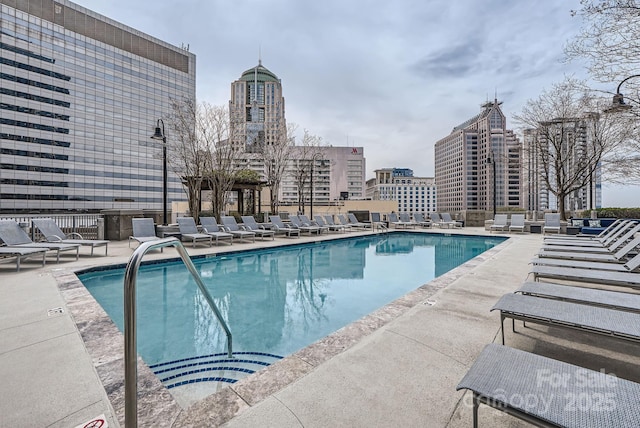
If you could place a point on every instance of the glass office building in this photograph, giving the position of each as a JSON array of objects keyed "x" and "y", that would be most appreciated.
[{"x": 80, "y": 96}]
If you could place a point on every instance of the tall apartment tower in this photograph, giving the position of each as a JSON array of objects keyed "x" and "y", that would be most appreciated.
[
  {"x": 414, "y": 194},
  {"x": 465, "y": 160},
  {"x": 574, "y": 133},
  {"x": 81, "y": 95},
  {"x": 256, "y": 110}
]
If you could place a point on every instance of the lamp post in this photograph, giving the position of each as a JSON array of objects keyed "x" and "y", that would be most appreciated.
[
  {"x": 618, "y": 99},
  {"x": 313, "y": 161},
  {"x": 492, "y": 160},
  {"x": 160, "y": 135}
]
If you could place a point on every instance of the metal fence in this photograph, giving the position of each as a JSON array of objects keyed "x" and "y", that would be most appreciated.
[{"x": 84, "y": 224}]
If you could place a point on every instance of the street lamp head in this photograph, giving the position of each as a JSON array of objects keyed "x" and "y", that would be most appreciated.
[
  {"x": 618, "y": 104},
  {"x": 159, "y": 132}
]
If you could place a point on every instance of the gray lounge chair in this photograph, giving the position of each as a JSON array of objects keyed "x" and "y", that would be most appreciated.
[
  {"x": 353, "y": 221},
  {"x": 396, "y": 222},
  {"x": 307, "y": 222},
  {"x": 143, "y": 231},
  {"x": 331, "y": 227},
  {"x": 436, "y": 220},
  {"x": 581, "y": 239},
  {"x": 504, "y": 378},
  {"x": 406, "y": 219},
  {"x": 281, "y": 227},
  {"x": 52, "y": 233},
  {"x": 557, "y": 313},
  {"x": 629, "y": 266},
  {"x": 296, "y": 222},
  {"x": 447, "y": 220},
  {"x": 8, "y": 254},
  {"x": 625, "y": 232},
  {"x": 252, "y": 225},
  {"x": 589, "y": 296},
  {"x": 13, "y": 236},
  {"x": 610, "y": 246},
  {"x": 329, "y": 220},
  {"x": 210, "y": 227},
  {"x": 419, "y": 219},
  {"x": 377, "y": 222},
  {"x": 551, "y": 223},
  {"x": 231, "y": 226},
  {"x": 608, "y": 277},
  {"x": 617, "y": 257},
  {"x": 517, "y": 223},
  {"x": 189, "y": 232},
  {"x": 499, "y": 223}
]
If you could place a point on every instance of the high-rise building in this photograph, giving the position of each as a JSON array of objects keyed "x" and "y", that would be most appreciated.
[
  {"x": 414, "y": 194},
  {"x": 81, "y": 95},
  {"x": 573, "y": 138},
  {"x": 257, "y": 118},
  {"x": 466, "y": 159}
]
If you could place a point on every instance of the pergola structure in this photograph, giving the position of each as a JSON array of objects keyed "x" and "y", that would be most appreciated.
[{"x": 239, "y": 186}]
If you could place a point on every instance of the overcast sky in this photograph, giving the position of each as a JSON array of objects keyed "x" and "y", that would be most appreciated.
[{"x": 390, "y": 76}]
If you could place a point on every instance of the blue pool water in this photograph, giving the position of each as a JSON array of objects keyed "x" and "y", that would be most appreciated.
[{"x": 275, "y": 301}]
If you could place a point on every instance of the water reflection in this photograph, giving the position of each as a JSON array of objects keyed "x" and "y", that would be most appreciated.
[{"x": 278, "y": 301}]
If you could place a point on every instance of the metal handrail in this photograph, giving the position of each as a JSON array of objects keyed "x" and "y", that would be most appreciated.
[{"x": 130, "y": 344}]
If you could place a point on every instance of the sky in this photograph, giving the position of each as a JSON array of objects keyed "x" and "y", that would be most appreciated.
[{"x": 391, "y": 77}]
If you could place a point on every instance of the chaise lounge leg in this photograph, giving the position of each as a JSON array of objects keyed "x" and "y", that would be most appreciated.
[{"x": 476, "y": 404}]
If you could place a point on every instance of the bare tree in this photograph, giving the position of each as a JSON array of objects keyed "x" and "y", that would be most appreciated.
[
  {"x": 609, "y": 40},
  {"x": 308, "y": 152},
  {"x": 187, "y": 157},
  {"x": 572, "y": 138},
  {"x": 275, "y": 156},
  {"x": 202, "y": 151}
]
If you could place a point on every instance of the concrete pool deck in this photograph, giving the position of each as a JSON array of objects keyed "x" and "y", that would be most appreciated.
[{"x": 398, "y": 366}]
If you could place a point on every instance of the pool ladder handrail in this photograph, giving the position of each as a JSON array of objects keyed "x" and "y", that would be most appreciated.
[{"x": 130, "y": 345}]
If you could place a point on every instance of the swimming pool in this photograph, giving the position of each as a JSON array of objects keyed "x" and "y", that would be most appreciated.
[{"x": 275, "y": 301}]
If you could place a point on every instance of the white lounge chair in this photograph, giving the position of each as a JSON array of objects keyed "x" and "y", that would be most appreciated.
[
  {"x": 517, "y": 223},
  {"x": 617, "y": 257},
  {"x": 499, "y": 223},
  {"x": 551, "y": 223},
  {"x": 8, "y": 254},
  {"x": 52, "y": 233}
]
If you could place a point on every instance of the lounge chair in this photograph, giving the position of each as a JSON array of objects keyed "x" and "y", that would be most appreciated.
[
  {"x": 396, "y": 222},
  {"x": 53, "y": 233},
  {"x": 231, "y": 226},
  {"x": 189, "y": 232},
  {"x": 557, "y": 313},
  {"x": 329, "y": 220},
  {"x": 618, "y": 256},
  {"x": 436, "y": 220},
  {"x": 353, "y": 221},
  {"x": 406, "y": 219},
  {"x": 143, "y": 231},
  {"x": 608, "y": 277},
  {"x": 499, "y": 223},
  {"x": 296, "y": 222},
  {"x": 250, "y": 224},
  {"x": 602, "y": 237},
  {"x": 308, "y": 222},
  {"x": 506, "y": 378},
  {"x": 210, "y": 227},
  {"x": 585, "y": 264},
  {"x": 611, "y": 244},
  {"x": 331, "y": 227},
  {"x": 625, "y": 231},
  {"x": 419, "y": 220},
  {"x": 446, "y": 219},
  {"x": 281, "y": 227},
  {"x": 13, "y": 236},
  {"x": 517, "y": 223},
  {"x": 377, "y": 222},
  {"x": 551, "y": 223},
  {"x": 589, "y": 296},
  {"x": 8, "y": 254}
]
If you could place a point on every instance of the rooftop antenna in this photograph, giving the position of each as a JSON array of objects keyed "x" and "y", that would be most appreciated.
[
  {"x": 496, "y": 96},
  {"x": 259, "y": 55}
]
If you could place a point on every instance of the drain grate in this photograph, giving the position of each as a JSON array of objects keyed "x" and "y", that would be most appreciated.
[{"x": 55, "y": 311}]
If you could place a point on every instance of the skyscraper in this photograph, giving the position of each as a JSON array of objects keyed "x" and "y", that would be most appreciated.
[
  {"x": 81, "y": 95},
  {"x": 465, "y": 161}
]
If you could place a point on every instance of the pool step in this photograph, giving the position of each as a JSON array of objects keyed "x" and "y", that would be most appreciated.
[{"x": 216, "y": 368}]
